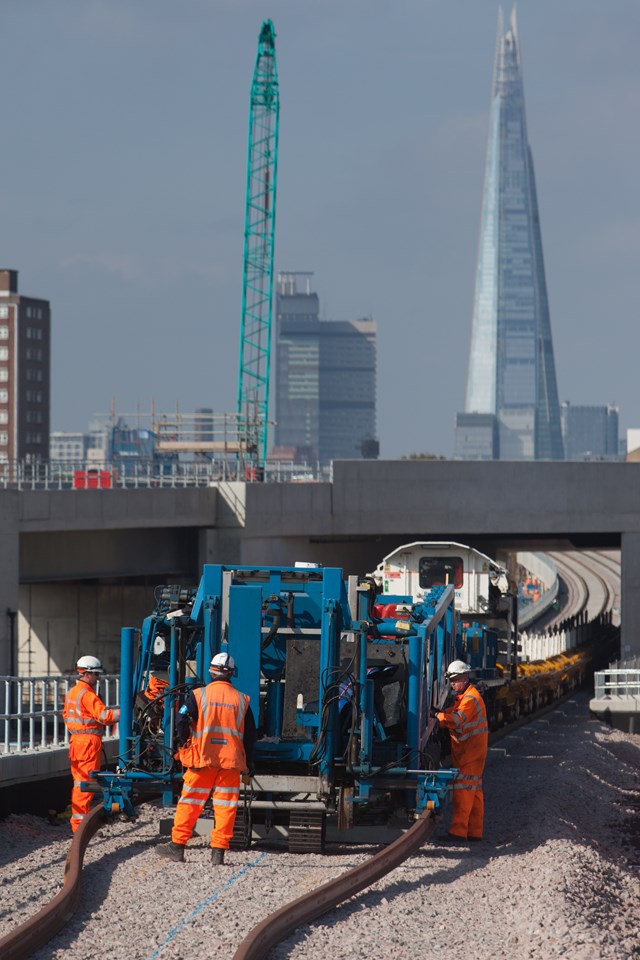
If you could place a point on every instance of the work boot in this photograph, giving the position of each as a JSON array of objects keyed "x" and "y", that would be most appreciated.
[
  {"x": 171, "y": 851},
  {"x": 217, "y": 856},
  {"x": 450, "y": 840}
]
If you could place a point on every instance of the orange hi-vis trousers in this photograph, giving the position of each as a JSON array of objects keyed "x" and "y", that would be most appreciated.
[
  {"x": 468, "y": 801},
  {"x": 84, "y": 755},
  {"x": 197, "y": 786}
]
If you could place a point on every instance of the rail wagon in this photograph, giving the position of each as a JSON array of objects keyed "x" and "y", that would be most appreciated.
[{"x": 340, "y": 695}]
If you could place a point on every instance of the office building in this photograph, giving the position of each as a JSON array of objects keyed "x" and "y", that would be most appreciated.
[
  {"x": 67, "y": 447},
  {"x": 511, "y": 371},
  {"x": 477, "y": 435},
  {"x": 25, "y": 373},
  {"x": 590, "y": 432},
  {"x": 325, "y": 383}
]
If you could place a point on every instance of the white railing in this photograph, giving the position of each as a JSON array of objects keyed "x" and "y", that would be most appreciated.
[
  {"x": 616, "y": 683},
  {"x": 31, "y": 711},
  {"x": 61, "y": 475}
]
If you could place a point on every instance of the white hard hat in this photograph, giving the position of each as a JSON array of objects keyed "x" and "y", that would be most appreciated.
[
  {"x": 223, "y": 663},
  {"x": 89, "y": 665},
  {"x": 457, "y": 668}
]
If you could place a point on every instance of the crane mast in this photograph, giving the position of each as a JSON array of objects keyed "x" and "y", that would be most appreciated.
[{"x": 259, "y": 232}]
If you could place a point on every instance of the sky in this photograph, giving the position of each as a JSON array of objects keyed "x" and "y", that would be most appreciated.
[{"x": 123, "y": 172}]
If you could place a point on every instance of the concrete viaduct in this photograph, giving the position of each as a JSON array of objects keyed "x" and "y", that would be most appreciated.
[{"x": 76, "y": 565}]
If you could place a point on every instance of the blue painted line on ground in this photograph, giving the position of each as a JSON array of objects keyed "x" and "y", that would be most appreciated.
[{"x": 176, "y": 930}]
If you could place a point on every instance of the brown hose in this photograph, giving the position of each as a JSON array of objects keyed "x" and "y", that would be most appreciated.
[
  {"x": 39, "y": 929},
  {"x": 284, "y": 921}
]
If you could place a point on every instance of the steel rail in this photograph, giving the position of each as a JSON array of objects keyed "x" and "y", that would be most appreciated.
[
  {"x": 40, "y": 928},
  {"x": 284, "y": 921},
  {"x": 605, "y": 570},
  {"x": 597, "y": 570}
]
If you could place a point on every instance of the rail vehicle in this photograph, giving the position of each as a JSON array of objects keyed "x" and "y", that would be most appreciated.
[
  {"x": 341, "y": 673},
  {"x": 487, "y": 638},
  {"x": 340, "y": 696}
]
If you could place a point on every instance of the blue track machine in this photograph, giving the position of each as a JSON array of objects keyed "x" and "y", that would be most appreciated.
[{"x": 341, "y": 682}]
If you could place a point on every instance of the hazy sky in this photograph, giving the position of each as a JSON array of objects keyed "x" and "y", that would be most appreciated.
[{"x": 123, "y": 177}]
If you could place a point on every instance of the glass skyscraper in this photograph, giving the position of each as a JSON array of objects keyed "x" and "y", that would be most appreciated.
[
  {"x": 325, "y": 384},
  {"x": 511, "y": 367},
  {"x": 590, "y": 432}
]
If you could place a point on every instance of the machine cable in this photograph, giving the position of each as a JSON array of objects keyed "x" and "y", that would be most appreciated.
[{"x": 334, "y": 693}]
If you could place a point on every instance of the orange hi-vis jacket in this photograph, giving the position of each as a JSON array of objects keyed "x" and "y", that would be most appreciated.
[
  {"x": 466, "y": 720},
  {"x": 155, "y": 687},
  {"x": 217, "y": 735},
  {"x": 84, "y": 711}
]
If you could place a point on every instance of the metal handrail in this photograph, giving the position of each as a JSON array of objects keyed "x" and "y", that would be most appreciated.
[
  {"x": 31, "y": 711},
  {"x": 616, "y": 683},
  {"x": 135, "y": 474}
]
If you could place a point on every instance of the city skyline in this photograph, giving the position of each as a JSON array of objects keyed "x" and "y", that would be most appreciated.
[{"x": 123, "y": 191}]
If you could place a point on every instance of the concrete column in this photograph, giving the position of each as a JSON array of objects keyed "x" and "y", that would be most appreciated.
[
  {"x": 9, "y": 581},
  {"x": 630, "y": 595}
]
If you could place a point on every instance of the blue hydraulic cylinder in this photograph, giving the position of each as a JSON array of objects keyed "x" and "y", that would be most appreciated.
[
  {"x": 332, "y": 587},
  {"x": 414, "y": 693},
  {"x": 167, "y": 720},
  {"x": 127, "y": 639},
  {"x": 366, "y": 703}
]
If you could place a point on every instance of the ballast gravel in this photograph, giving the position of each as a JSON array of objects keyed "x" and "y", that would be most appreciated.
[{"x": 558, "y": 874}]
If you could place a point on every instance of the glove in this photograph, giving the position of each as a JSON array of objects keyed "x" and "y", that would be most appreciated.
[
  {"x": 433, "y": 712},
  {"x": 246, "y": 778}
]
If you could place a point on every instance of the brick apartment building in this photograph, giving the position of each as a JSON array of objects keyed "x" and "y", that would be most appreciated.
[{"x": 25, "y": 373}]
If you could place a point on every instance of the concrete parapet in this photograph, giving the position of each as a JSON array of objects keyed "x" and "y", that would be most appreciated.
[
  {"x": 46, "y": 764},
  {"x": 620, "y": 712}
]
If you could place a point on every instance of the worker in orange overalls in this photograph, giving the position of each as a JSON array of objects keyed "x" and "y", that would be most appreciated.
[
  {"x": 86, "y": 717},
  {"x": 149, "y": 703},
  {"x": 217, "y": 732},
  {"x": 466, "y": 721}
]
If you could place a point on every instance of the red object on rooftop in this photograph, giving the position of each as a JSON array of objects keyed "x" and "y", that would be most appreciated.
[{"x": 92, "y": 480}]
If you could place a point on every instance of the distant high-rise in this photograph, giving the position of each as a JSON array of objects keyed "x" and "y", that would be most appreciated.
[
  {"x": 25, "y": 360},
  {"x": 590, "y": 432},
  {"x": 511, "y": 367},
  {"x": 325, "y": 381}
]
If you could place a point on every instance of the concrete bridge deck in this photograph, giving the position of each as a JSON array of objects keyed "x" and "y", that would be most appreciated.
[{"x": 77, "y": 565}]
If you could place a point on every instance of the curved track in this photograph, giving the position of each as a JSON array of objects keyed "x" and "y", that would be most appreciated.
[
  {"x": 39, "y": 929},
  {"x": 313, "y": 905},
  {"x": 587, "y": 585},
  {"x": 173, "y": 898},
  {"x": 268, "y": 875}
]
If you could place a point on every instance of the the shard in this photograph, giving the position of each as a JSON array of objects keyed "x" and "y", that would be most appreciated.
[{"x": 511, "y": 408}]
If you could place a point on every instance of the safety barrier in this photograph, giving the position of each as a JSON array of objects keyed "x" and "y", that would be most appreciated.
[
  {"x": 31, "y": 711},
  {"x": 617, "y": 683},
  {"x": 60, "y": 475}
]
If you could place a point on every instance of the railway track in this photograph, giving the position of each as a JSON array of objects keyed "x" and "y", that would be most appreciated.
[
  {"x": 589, "y": 582},
  {"x": 23, "y": 941},
  {"x": 53, "y": 918},
  {"x": 305, "y": 909}
]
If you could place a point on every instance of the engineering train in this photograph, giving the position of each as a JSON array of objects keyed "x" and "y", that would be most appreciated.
[
  {"x": 487, "y": 605},
  {"x": 342, "y": 673}
]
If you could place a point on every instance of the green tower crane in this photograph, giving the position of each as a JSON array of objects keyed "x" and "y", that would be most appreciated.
[{"x": 259, "y": 232}]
